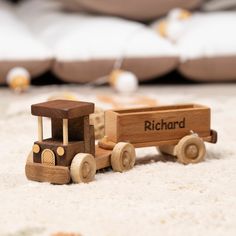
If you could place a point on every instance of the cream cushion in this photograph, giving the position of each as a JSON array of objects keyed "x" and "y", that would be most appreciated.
[
  {"x": 132, "y": 9},
  {"x": 87, "y": 47},
  {"x": 18, "y": 47},
  {"x": 207, "y": 47}
]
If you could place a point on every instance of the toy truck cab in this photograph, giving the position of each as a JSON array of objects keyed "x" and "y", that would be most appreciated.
[{"x": 71, "y": 136}]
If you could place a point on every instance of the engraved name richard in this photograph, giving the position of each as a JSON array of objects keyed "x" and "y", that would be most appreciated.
[{"x": 163, "y": 125}]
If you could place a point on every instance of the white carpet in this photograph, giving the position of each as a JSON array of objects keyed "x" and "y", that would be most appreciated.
[{"x": 156, "y": 198}]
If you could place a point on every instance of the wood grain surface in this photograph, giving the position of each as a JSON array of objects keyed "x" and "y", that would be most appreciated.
[{"x": 157, "y": 124}]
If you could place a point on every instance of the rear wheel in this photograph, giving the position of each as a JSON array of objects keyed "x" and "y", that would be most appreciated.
[
  {"x": 83, "y": 168},
  {"x": 190, "y": 149},
  {"x": 123, "y": 157}
]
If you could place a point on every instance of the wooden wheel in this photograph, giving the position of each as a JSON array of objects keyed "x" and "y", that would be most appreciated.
[
  {"x": 190, "y": 149},
  {"x": 30, "y": 158},
  {"x": 123, "y": 157},
  {"x": 83, "y": 168}
]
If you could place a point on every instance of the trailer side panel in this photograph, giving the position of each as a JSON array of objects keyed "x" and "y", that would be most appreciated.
[{"x": 137, "y": 126}]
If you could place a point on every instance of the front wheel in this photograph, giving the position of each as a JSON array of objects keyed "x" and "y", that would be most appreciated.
[
  {"x": 83, "y": 168},
  {"x": 123, "y": 157}
]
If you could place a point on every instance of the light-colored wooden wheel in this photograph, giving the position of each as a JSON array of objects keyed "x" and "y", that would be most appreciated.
[
  {"x": 83, "y": 168},
  {"x": 30, "y": 158},
  {"x": 123, "y": 157},
  {"x": 190, "y": 149}
]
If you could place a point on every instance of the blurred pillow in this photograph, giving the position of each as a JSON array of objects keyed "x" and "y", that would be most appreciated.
[
  {"x": 207, "y": 47},
  {"x": 87, "y": 47},
  {"x": 132, "y": 9},
  {"x": 216, "y": 5},
  {"x": 205, "y": 43},
  {"x": 18, "y": 47}
]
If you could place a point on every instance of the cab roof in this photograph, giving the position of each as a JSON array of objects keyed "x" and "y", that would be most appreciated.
[{"x": 62, "y": 109}]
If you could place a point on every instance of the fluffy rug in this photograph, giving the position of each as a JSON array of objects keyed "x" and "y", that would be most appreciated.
[{"x": 157, "y": 197}]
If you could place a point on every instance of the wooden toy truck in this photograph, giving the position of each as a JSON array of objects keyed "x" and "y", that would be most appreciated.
[{"x": 71, "y": 154}]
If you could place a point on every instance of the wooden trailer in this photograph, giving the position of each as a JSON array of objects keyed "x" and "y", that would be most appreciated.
[
  {"x": 179, "y": 130},
  {"x": 71, "y": 155}
]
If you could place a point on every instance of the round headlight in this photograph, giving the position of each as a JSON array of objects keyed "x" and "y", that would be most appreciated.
[
  {"x": 36, "y": 148},
  {"x": 60, "y": 151}
]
